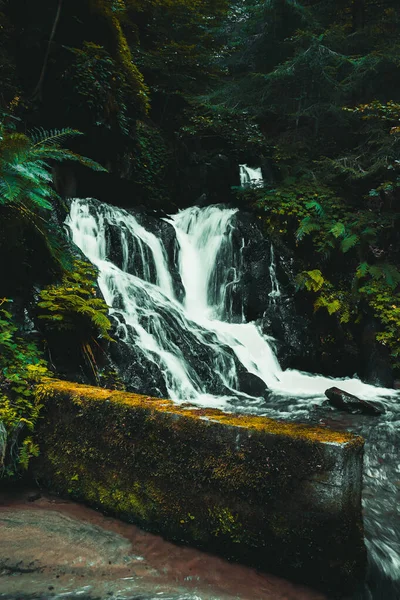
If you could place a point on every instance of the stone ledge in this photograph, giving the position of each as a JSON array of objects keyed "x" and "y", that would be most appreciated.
[{"x": 283, "y": 497}]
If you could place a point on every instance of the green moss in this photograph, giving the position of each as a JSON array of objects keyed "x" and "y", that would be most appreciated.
[
  {"x": 82, "y": 394},
  {"x": 104, "y": 10},
  {"x": 227, "y": 524}
]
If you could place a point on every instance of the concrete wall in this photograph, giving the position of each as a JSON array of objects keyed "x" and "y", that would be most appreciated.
[{"x": 285, "y": 498}]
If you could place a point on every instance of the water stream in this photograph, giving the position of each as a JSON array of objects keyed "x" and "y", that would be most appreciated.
[
  {"x": 250, "y": 177},
  {"x": 200, "y": 350}
]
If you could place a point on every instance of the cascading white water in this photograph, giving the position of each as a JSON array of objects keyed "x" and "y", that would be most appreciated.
[
  {"x": 250, "y": 177},
  {"x": 154, "y": 321},
  {"x": 275, "y": 292},
  {"x": 203, "y": 235}
]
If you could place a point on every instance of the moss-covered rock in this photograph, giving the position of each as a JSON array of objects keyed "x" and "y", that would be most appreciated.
[{"x": 282, "y": 497}]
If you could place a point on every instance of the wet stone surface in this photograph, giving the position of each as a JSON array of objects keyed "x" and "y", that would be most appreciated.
[{"x": 50, "y": 548}]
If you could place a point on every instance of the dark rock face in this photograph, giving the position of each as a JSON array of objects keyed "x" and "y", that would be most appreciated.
[
  {"x": 352, "y": 404},
  {"x": 375, "y": 366},
  {"x": 252, "y": 385},
  {"x": 254, "y": 249},
  {"x": 143, "y": 374},
  {"x": 166, "y": 233},
  {"x": 207, "y": 174}
]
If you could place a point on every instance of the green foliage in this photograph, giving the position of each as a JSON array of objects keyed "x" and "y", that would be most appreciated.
[
  {"x": 113, "y": 15},
  {"x": 313, "y": 281},
  {"x": 25, "y": 179},
  {"x": 346, "y": 290},
  {"x": 150, "y": 160},
  {"x": 73, "y": 304},
  {"x": 21, "y": 368},
  {"x": 26, "y": 182},
  {"x": 333, "y": 300},
  {"x": 236, "y": 131},
  {"x": 386, "y": 307},
  {"x": 177, "y": 51},
  {"x": 102, "y": 88}
]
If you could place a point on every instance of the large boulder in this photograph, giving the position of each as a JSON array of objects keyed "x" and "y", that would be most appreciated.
[{"x": 252, "y": 385}]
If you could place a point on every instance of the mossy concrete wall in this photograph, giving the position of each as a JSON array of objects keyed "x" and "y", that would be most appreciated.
[{"x": 285, "y": 498}]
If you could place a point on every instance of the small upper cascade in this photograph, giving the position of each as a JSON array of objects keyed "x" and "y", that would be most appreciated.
[
  {"x": 251, "y": 177},
  {"x": 275, "y": 292}
]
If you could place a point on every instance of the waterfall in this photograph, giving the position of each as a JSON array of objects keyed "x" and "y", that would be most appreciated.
[
  {"x": 210, "y": 265},
  {"x": 275, "y": 292},
  {"x": 198, "y": 353},
  {"x": 250, "y": 177}
]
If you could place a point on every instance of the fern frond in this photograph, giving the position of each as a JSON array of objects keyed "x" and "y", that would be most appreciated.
[
  {"x": 362, "y": 270},
  {"x": 349, "y": 242},
  {"x": 314, "y": 205},
  {"x": 10, "y": 189},
  {"x": 83, "y": 160},
  {"x": 61, "y": 154},
  {"x": 33, "y": 171},
  {"x": 369, "y": 234},
  {"x": 307, "y": 225},
  {"x": 386, "y": 271},
  {"x": 331, "y": 305},
  {"x": 54, "y": 137},
  {"x": 338, "y": 230},
  {"x": 313, "y": 280}
]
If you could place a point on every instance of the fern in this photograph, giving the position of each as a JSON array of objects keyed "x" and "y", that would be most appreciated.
[
  {"x": 21, "y": 367},
  {"x": 25, "y": 165},
  {"x": 314, "y": 205},
  {"x": 338, "y": 230},
  {"x": 307, "y": 226},
  {"x": 349, "y": 242},
  {"x": 387, "y": 272},
  {"x": 362, "y": 270},
  {"x": 26, "y": 181},
  {"x": 313, "y": 281},
  {"x": 73, "y": 305},
  {"x": 332, "y": 305},
  {"x": 40, "y": 137}
]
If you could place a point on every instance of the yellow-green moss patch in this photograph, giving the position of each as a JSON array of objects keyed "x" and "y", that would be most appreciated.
[{"x": 305, "y": 432}]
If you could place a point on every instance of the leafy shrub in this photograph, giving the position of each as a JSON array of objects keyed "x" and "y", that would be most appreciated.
[
  {"x": 73, "y": 306},
  {"x": 21, "y": 367}
]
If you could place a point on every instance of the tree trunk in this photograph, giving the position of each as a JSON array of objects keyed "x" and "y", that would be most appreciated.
[{"x": 39, "y": 87}]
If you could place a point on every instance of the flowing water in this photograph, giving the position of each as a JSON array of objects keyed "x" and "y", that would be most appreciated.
[
  {"x": 176, "y": 308},
  {"x": 250, "y": 177}
]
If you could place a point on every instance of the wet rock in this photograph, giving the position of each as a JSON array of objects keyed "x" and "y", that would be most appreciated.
[
  {"x": 347, "y": 402},
  {"x": 252, "y": 385},
  {"x": 254, "y": 253},
  {"x": 375, "y": 358},
  {"x": 165, "y": 232},
  {"x": 34, "y": 496}
]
